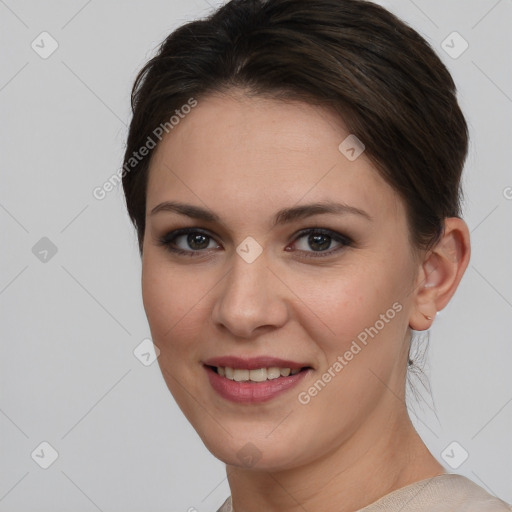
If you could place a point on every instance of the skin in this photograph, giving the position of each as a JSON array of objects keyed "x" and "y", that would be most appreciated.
[{"x": 246, "y": 158}]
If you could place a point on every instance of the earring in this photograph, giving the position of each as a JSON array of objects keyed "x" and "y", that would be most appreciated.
[{"x": 428, "y": 317}]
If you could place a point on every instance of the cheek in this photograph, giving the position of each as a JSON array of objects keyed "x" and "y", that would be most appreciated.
[
  {"x": 351, "y": 300},
  {"x": 167, "y": 290},
  {"x": 362, "y": 309},
  {"x": 177, "y": 302},
  {"x": 169, "y": 297},
  {"x": 173, "y": 309}
]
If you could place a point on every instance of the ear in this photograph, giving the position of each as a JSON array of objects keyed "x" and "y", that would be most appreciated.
[{"x": 440, "y": 273}]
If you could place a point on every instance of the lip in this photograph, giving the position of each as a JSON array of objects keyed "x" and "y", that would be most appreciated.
[
  {"x": 253, "y": 392},
  {"x": 254, "y": 363}
]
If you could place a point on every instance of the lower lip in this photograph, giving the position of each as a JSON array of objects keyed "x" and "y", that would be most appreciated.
[{"x": 252, "y": 392}]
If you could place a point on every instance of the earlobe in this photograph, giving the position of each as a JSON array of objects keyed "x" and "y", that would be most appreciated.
[{"x": 440, "y": 273}]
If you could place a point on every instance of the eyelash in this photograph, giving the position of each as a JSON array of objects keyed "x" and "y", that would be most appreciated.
[{"x": 168, "y": 240}]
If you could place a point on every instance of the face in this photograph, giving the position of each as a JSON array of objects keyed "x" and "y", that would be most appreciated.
[{"x": 266, "y": 247}]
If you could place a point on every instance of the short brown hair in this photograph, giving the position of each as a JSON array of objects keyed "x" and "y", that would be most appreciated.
[{"x": 353, "y": 56}]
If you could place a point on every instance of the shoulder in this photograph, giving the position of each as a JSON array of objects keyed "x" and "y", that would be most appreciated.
[
  {"x": 226, "y": 506},
  {"x": 470, "y": 497},
  {"x": 442, "y": 493}
]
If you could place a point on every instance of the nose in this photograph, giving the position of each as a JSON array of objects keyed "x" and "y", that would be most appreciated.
[{"x": 251, "y": 299}]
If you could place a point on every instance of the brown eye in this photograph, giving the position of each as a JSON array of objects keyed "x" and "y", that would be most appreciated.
[
  {"x": 197, "y": 240},
  {"x": 188, "y": 241},
  {"x": 321, "y": 242}
]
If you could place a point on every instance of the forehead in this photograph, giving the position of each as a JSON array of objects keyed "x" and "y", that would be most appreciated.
[{"x": 233, "y": 151}]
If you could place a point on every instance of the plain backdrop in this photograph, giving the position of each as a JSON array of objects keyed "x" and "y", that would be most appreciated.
[{"x": 70, "y": 301}]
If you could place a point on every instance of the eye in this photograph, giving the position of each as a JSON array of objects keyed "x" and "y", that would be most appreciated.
[
  {"x": 319, "y": 242},
  {"x": 314, "y": 242},
  {"x": 188, "y": 241}
]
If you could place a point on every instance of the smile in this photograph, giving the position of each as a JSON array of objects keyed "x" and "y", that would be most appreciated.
[
  {"x": 257, "y": 375},
  {"x": 256, "y": 385}
]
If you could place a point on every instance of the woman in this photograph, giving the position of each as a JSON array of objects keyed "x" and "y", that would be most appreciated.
[{"x": 297, "y": 204}]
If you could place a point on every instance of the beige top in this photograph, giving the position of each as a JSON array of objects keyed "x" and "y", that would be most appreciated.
[{"x": 442, "y": 493}]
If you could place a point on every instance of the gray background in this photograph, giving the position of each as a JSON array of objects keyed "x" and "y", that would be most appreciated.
[{"x": 70, "y": 324}]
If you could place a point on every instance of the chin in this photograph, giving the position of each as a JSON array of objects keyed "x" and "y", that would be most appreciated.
[{"x": 254, "y": 451}]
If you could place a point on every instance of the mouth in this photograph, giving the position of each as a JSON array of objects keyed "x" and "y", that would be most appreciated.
[
  {"x": 257, "y": 374},
  {"x": 253, "y": 380}
]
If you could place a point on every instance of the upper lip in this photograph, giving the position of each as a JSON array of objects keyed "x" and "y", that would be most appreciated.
[{"x": 253, "y": 363}]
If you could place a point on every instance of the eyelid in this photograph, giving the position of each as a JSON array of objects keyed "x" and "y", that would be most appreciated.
[
  {"x": 341, "y": 239},
  {"x": 168, "y": 238},
  {"x": 175, "y": 233},
  {"x": 323, "y": 231}
]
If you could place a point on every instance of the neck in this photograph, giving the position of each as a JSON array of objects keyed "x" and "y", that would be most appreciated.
[{"x": 378, "y": 459}]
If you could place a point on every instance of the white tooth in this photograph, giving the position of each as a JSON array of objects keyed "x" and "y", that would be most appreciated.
[
  {"x": 258, "y": 375},
  {"x": 240, "y": 375},
  {"x": 273, "y": 373}
]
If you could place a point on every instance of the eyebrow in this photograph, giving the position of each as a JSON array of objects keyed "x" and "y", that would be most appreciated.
[{"x": 283, "y": 216}]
